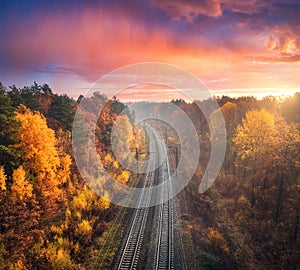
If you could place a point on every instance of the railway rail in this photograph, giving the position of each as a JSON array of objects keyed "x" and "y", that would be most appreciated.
[{"x": 130, "y": 249}]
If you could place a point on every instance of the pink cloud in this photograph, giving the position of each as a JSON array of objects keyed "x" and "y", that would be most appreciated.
[
  {"x": 92, "y": 42},
  {"x": 284, "y": 41},
  {"x": 91, "y": 39}
]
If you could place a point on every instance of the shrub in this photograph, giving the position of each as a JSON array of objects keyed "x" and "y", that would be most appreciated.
[{"x": 210, "y": 261}]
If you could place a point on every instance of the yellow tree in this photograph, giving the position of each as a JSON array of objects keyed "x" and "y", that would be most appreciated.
[
  {"x": 2, "y": 179},
  {"x": 39, "y": 153},
  {"x": 256, "y": 134},
  {"x": 122, "y": 134},
  {"x": 285, "y": 158},
  {"x": 229, "y": 112},
  {"x": 19, "y": 218},
  {"x": 21, "y": 188},
  {"x": 268, "y": 148},
  {"x": 124, "y": 139},
  {"x": 254, "y": 142}
]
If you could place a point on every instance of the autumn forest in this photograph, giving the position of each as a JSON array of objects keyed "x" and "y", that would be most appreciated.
[{"x": 51, "y": 219}]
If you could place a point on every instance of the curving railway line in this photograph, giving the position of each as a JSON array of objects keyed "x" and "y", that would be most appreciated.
[
  {"x": 129, "y": 252},
  {"x": 164, "y": 255}
]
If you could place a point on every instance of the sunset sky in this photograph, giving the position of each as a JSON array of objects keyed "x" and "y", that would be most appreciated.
[{"x": 245, "y": 47}]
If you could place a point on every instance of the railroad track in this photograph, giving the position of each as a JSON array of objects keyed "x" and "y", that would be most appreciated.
[
  {"x": 130, "y": 249},
  {"x": 164, "y": 255}
]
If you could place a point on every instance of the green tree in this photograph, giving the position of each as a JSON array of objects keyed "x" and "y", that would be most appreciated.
[
  {"x": 8, "y": 156},
  {"x": 27, "y": 96},
  {"x": 62, "y": 110}
]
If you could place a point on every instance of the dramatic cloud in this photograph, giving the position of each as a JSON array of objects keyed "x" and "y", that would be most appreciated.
[
  {"x": 78, "y": 40},
  {"x": 271, "y": 43},
  {"x": 246, "y": 42},
  {"x": 246, "y": 7},
  {"x": 254, "y": 7},
  {"x": 286, "y": 46},
  {"x": 189, "y": 10},
  {"x": 284, "y": 42}
]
